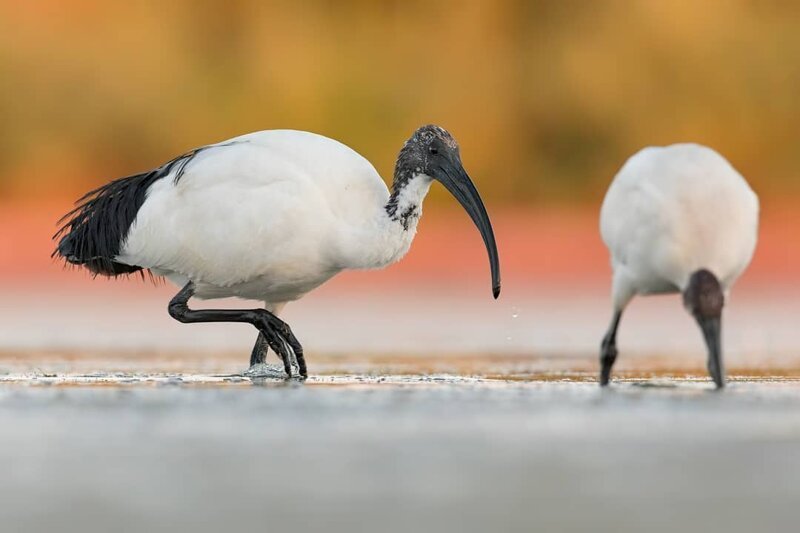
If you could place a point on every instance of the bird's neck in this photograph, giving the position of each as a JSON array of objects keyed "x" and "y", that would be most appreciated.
[
  {"x": 387, "y": 238},
  {"x": 405, "y": 203}
]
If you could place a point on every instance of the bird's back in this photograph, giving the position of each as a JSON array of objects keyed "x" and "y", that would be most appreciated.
[
  {"x": 673, "y": 210},
  {"x": 270, "y": 157}
]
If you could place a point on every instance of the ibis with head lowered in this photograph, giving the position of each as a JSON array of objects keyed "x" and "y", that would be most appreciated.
[
  {"x": 678, "y": 218},
  {"x": 267, "y": 216}
]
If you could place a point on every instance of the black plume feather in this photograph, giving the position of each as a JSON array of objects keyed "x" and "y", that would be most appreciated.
[{"x": 93, "y": 233}]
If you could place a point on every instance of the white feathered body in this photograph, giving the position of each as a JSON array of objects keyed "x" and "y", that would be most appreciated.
[
  {"x": 266, "y": 216},
  {"x": 671, "y": 211}
]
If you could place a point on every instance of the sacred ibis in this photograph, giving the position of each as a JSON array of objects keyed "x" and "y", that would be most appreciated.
[
  {"x": 266, "y": 216},
  {"x": 678, "y": 218}
]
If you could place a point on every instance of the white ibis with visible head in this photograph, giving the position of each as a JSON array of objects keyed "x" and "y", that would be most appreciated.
[
  {"x": 678, "y": 218},
  {"x": 267, "y": 216}
]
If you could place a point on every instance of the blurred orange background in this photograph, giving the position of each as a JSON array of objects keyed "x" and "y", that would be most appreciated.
[{"x": 547, "y": 100}]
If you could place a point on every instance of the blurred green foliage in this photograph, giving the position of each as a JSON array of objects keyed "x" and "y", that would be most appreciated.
[{"x": 547, "y": 98}]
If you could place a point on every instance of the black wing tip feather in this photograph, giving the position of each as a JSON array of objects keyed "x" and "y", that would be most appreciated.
[
  {"x": 82, "y": 243},
  {"x": 92, "y": 234}
]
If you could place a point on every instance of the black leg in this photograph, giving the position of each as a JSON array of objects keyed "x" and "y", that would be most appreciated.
[
  {"x": 608, "y": 350},
  {"x": 259, "y": 354},
  {"x": 277, "y": 333}
]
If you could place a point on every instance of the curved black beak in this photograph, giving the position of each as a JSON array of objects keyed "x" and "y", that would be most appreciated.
[
  {"x": 712, "y": 327},
  {"x": 455, "y": 179}
]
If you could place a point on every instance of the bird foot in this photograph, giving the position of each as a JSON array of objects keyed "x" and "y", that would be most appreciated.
[
  {"x": 265, "y": 370},
  {"x": 607, "y": 358}
]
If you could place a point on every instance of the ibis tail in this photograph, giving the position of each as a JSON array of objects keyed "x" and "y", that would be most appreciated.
[{"x": 94, "y": 232}]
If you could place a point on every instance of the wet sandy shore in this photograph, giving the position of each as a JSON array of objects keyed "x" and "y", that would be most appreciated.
[{"x": 176, "y": 442}]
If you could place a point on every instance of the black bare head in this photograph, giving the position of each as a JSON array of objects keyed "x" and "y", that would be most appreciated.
[
  {"x": 433, "y": 153},
  {"x": 704, "y": 299},
  {"x": 424, "y": 153}
]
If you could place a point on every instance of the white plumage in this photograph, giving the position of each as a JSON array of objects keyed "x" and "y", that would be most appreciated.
[
  {"x": 671, "y": 212},
  {"x": 267, "y": 216}
]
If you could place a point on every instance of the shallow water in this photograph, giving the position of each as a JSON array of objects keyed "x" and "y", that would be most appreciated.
[{"x": 174, "y": 442}]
